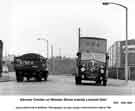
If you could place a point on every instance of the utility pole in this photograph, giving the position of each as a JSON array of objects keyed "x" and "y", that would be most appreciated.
[
  {"x": 47, "y": 45},
  {"x": 52, "y": 59},
  {"x": 47, "y": 48},
  {"x": 60, "y": 52},
  {"x": 126, "y": 34},
  {"x": 1, "y": 50},
  {"x": 79, "y": 39}
]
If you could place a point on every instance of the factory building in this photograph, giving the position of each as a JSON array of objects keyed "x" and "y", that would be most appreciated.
[{"x": 117, "y": 58}]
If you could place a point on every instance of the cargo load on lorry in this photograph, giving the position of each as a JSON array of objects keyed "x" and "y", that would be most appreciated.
[{"x": 31, "y": 65}]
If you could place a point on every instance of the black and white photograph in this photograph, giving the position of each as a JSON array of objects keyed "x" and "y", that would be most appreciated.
[{"x": 67, "y": 47}]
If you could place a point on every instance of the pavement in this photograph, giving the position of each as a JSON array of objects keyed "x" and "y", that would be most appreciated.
[
  {"x": 10, "y": 76},
  {"x": 63, "y": 85},
  {"x": 6, "y": 77},
  {"x": 121, "y": 83}
]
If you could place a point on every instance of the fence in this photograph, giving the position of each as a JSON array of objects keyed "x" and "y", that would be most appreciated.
[{"x": 119, "y": 73}]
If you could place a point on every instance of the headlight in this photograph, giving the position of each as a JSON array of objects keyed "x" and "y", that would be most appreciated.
[
  {"x": 31, "y": 62},
  {"x": 82, "y": 69},
  {"x": 46, "y": 69},
  {"x": 101, "y": 71}
]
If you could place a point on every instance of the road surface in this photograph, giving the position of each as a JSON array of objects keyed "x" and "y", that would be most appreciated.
[{"x": 64, "y": 85}]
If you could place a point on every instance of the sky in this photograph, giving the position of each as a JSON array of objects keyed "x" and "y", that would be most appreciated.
[{"x": 22, "y": 22}]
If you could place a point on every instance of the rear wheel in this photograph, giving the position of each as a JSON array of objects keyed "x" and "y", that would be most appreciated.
[{"x": 19, "y": 76}]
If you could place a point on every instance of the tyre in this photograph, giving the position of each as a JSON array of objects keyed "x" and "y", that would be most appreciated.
[
  {"x": 98, "y": 81},
  {"x": 45, "y": 78},
  {"x": 19, "y": 76},
  {"x": 28, "y": 78},
  {"x": 39, "y": 78},
  {"x": 77, "y": 80},
  {"x": 45, "y": 75},
  {"x": 104, "y": 82}
]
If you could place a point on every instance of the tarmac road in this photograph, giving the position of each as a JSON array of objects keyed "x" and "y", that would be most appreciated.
[{"x": 64, "y": 85}]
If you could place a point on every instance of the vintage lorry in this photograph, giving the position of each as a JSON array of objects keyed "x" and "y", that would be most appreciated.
[
  {"x": 31, "y": 65},
  {"x": 92, "y": 60}
]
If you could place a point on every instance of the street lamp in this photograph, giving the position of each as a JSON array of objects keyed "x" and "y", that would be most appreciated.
[
  {"x": 45, "y": 40},
  {"x": 126, "y": 42}
]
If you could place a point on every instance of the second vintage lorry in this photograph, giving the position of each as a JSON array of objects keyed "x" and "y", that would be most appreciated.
[{"x": 31, "y": 65}]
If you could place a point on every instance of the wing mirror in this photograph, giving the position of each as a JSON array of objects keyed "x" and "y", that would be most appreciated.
[{"x": 78, "y": 54}]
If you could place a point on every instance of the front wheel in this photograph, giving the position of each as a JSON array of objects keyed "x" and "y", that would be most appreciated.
[
  {"x": 45, "y": 75},
  {"x": 98, "y": 81},
  {"x": 39, "y": 78},
  {"x": 28, "y": 78},
  {"x": 104, "y": 82},
  {"x": 77, "y": 80}
]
